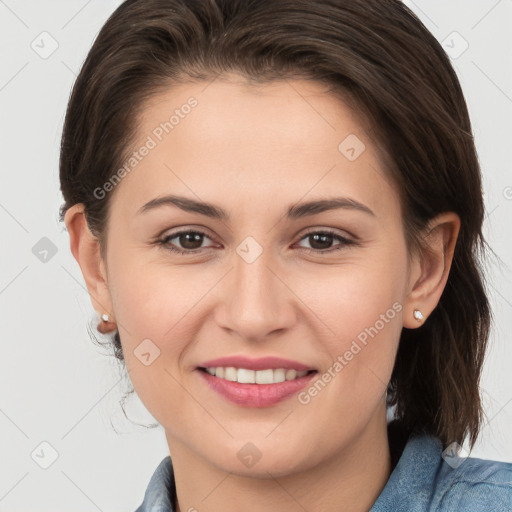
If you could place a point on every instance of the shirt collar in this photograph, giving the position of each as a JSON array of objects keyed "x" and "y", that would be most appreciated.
[
  {"x": 413, "y": 476},
  {"x": 161, "y": 492}
]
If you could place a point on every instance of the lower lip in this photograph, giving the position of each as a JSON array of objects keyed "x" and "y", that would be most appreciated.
[{"x": 256, "y": 395}]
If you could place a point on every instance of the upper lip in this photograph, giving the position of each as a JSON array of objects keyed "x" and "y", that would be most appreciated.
[{"x": 262, "y": 363}]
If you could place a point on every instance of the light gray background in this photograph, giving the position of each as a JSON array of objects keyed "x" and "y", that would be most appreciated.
[{"x": 56, "y": 385}]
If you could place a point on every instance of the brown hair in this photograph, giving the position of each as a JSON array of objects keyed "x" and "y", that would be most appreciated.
[{"x": 378, "y": 56}]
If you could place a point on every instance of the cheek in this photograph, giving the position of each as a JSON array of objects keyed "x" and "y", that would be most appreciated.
[
  {"x": 152, "y": 297},
  {"x": 366, "y": 330},
  {"x": 352, "y": 298},
  {"x": 160, "y": 310},
  {"x": 361, "y": 306}
]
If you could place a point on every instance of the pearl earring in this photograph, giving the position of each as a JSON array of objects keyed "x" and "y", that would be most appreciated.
[
  {"x": 106, "y": 325},
  {"x": 418, "y": 315}
]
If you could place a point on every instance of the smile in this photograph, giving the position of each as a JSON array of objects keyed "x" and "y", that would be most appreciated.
[{"x": 255, "y": 388}]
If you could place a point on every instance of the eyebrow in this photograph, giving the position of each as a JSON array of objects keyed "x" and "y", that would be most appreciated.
[{"x": 295, "y": 211}]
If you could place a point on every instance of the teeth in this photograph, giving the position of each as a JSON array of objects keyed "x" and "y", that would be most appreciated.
[
  {"x": 279, "y": 375},
  {"x": 245, "y": 376},
  {"x": 290, "y": 374},
  {"x": 229, "y": 373},
  {"x": 264, "y": 376}
]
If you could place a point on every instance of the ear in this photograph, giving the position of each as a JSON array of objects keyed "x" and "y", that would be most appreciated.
[
  {"x": 430, "y": 268},
  {"x": 86, "y": 250}
]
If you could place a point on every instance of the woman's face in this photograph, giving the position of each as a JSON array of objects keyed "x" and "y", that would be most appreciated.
[{"x": 257, "y": 282}]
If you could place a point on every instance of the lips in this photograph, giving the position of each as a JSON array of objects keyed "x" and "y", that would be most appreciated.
[{"x": 263, "y": 392}]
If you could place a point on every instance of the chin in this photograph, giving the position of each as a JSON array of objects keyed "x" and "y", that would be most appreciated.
[
  {"x": 268, "y": 467},
  {"x": 263, "y": 458}
]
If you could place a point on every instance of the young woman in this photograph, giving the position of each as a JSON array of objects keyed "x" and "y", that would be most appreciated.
[{"x": 277, "y": 209}]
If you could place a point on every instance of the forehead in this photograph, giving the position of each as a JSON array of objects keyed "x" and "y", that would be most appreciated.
[{"x": 233, "y": 140}]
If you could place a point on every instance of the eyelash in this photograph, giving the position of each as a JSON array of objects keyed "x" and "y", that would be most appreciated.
[{"x": 345, "y": 242}]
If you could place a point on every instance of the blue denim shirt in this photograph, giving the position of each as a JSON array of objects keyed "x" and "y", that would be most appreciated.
[{"x": 421, "y": 480}]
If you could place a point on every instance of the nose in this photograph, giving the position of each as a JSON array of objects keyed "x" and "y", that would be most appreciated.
[{"x": 256, "y": 301}]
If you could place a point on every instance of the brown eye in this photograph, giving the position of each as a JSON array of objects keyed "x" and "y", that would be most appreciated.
[
  {"x": 187, "y": 241},
  {"x": 321, "y": 241}
]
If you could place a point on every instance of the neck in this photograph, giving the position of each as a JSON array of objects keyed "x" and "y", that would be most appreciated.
[{"x": 350, "y": 480}]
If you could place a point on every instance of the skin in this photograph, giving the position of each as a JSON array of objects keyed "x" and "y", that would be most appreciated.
[{"x": 253, "y": 150}]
